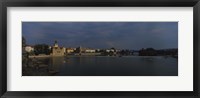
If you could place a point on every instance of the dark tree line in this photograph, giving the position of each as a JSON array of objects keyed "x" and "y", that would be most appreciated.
[
  {"x": 147, "y": 52},
  {"x": 153, "y": 52},
  {"x": 172, "y": 52},
  {"x": 41, "y": 49}
]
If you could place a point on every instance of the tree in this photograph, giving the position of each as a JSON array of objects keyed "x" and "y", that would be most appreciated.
[
  {"x": 23, "y": 42},
  {"x": 25, "y": 55},
  {"x": 41, "y": 49},
  {"x": 148, "y": 52}
]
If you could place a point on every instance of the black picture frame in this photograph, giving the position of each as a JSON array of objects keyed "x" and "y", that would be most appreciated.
[{"x": 98, "y": 3}]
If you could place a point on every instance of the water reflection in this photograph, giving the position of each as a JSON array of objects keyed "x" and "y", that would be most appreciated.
[
  {"x": 103, "y": 66},
  {"x": 55, "y": 64}
]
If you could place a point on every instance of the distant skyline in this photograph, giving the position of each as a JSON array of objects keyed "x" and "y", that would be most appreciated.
[{"x": 120, "y": 35}]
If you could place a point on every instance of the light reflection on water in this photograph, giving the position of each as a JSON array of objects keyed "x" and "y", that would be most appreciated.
[{"x": 111, "y": 66}]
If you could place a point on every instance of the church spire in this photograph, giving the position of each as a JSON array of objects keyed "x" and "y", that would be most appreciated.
[{"x": 55, "y": 43}]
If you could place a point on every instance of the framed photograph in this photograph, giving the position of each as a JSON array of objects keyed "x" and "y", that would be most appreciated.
[{"x": 86, "y": 48}]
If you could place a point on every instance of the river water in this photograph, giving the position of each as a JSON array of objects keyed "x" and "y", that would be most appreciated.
[{"x": 108, "y": 66}]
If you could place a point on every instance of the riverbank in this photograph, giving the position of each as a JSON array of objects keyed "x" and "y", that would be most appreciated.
[
  {"x": 48, "y": 56},
  {"x": 39, "y": 56}
]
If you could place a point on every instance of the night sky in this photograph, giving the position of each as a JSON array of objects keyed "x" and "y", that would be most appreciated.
[{"x": 120, "y": 35}]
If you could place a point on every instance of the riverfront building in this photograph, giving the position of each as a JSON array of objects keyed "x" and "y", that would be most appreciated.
[
  {"x": 29, "y": 48},
  {"x": 85, "y": 50},
  {"x": 57, "y": 51},
  {"x": 70, "y": 50}
]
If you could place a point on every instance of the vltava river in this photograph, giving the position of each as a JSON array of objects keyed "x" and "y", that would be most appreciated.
[{"x": 107, "y": 66}]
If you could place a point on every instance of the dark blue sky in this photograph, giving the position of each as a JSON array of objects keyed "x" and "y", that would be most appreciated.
[{"x": 121, "y": 35}]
